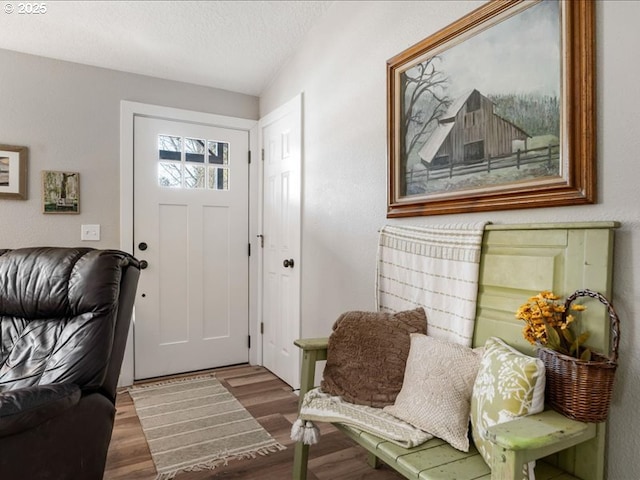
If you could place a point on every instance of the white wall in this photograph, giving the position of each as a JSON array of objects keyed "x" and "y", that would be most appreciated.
[
  {"x": 69, "y": 117},
  {"x": 341, "y": 70}
]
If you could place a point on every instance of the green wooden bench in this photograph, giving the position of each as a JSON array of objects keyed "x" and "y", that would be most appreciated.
[{"x": 517, "y": 261}]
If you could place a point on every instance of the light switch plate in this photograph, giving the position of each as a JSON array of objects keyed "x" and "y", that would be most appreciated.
[{"x": 90, "y": 233}]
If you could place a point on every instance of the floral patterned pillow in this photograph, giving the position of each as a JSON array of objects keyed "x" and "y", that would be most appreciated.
[{"x": 509, "y": 385}]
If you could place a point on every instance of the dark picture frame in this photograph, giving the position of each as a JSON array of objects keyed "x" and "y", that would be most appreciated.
[
  {"x": 495, "y": 111},
  {"x": 13, "y": 172}
]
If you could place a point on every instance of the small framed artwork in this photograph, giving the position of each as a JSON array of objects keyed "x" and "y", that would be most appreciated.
[
  {"x": 13, "y": 172},
  {"x": 495, "y": 111},
  {"x": 60, "y": 192}
]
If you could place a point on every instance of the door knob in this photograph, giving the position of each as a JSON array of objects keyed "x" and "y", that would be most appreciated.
[
  {"x": 288, "y": 263},
  {"x": 143, "y": 264}
]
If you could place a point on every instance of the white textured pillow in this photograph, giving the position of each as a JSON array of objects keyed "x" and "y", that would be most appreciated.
[
  {"x": 509, "y": 385},
  {"x": 436, "y": 391}
]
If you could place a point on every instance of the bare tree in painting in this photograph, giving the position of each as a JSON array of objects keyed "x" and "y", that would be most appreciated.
[
  {"x": 425, "y": 99},
  {"x": 63, "y": 186}
]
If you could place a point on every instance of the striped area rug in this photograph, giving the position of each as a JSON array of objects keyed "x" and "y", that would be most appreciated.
[{"x": 196, "y": 424}]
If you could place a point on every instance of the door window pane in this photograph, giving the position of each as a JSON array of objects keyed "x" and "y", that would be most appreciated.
[
  {"x": 218, "y": 178},
  {"x": 193, "y": 176},
  {"x": 169, "y": 147},
  {"x": 218, "y": 152},
  {"x": 169, "y": 174},
  {"x": 194, "y": 150},
  {"x": 180, "y": 158}
]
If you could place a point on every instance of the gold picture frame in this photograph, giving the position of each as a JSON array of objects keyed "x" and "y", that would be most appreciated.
[
  {"x": 467, "y": 130},
  {"x": 13, "y": 172},
  {"x": 60, "y": 192}
]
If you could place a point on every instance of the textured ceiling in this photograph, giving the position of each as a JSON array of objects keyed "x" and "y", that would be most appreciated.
[{"x": 233, "y": 45}]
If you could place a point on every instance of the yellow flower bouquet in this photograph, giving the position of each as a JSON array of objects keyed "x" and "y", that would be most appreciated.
[
  {"x": 579, "y": 382},
  {"x": 547, "y": 323}
]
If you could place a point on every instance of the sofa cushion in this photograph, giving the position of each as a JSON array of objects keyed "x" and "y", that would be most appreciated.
[
  {"x": 57, "y": 315},
  {"x": 366, "y": 355},
  {"x": 49, "y": 282},
  {"x": 26, "y": 408}
]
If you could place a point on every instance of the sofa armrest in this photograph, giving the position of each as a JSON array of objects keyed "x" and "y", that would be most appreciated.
[
  {"x": 313, "y": 350},
  {"x": 531, "y": 438},
  {"x": 25, "y": 408}
]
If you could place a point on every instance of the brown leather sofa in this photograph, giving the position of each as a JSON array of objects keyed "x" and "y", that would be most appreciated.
[{"x": 64, "y": 319}]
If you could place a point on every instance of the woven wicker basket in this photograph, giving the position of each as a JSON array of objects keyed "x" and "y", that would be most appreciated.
[{"x": 578, "y": 389}]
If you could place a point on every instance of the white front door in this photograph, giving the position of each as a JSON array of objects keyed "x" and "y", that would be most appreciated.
[
  {"x": 191, "y": 227},
  {"x": 281, "y": 143}
]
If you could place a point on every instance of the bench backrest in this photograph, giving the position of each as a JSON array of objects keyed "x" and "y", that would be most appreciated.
[{"x": 519, "y": 261}]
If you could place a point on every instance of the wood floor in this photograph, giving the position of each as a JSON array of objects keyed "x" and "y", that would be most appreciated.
[{"x": 274, "y": 405}]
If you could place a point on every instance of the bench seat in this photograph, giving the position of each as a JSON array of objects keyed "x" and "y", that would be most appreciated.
[
  {"x": 516, "y": 262},
  {"x": 515, "y": 443},
  {"x": 437, "y": 460}
]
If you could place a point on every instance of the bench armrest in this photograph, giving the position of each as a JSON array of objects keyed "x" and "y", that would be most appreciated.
[
  {"x": 313, "y": 350},
  {"x": 530, "y": 438},
  {"x": 308, "y": 344}
]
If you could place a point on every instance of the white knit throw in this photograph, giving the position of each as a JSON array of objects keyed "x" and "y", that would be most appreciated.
[{"x": 435, "y": 267}]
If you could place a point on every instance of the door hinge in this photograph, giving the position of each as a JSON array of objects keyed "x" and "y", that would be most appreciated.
[
  {"x": 262, "y": 327},
  {"x": 261, "y": 237},
  {"x": 249, "y": 248},
  {"x": 263, "y": 154},
  {"x": 249, "y": 156},
  {"x": 248, "y": 341}
]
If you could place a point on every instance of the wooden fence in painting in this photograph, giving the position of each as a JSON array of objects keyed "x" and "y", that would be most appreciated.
[{"x": 521, "y": 158}]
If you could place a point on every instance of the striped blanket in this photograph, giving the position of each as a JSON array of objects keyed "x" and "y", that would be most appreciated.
[{"x": 435, "y": 267}]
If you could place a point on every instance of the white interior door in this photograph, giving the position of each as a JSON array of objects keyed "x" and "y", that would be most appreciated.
[
  {"x": 191, "y": 227},
  {"x": 281, "y": 143}
]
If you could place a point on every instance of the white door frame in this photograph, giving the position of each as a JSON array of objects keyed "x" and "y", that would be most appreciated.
[{"x": 128, "y": 111}]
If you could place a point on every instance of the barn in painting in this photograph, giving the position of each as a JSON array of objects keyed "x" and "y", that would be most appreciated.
[{"x": 470, "y": 132}]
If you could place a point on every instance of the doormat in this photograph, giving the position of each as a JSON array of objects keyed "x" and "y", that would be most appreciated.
[{"x": 196, "y": 424}]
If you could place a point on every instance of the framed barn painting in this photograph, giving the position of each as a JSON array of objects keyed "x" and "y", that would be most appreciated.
[
  {"x": 13, "y": 172},
  {"x": 60, "y": 192},
  {"x": 495, "y": 111}
]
